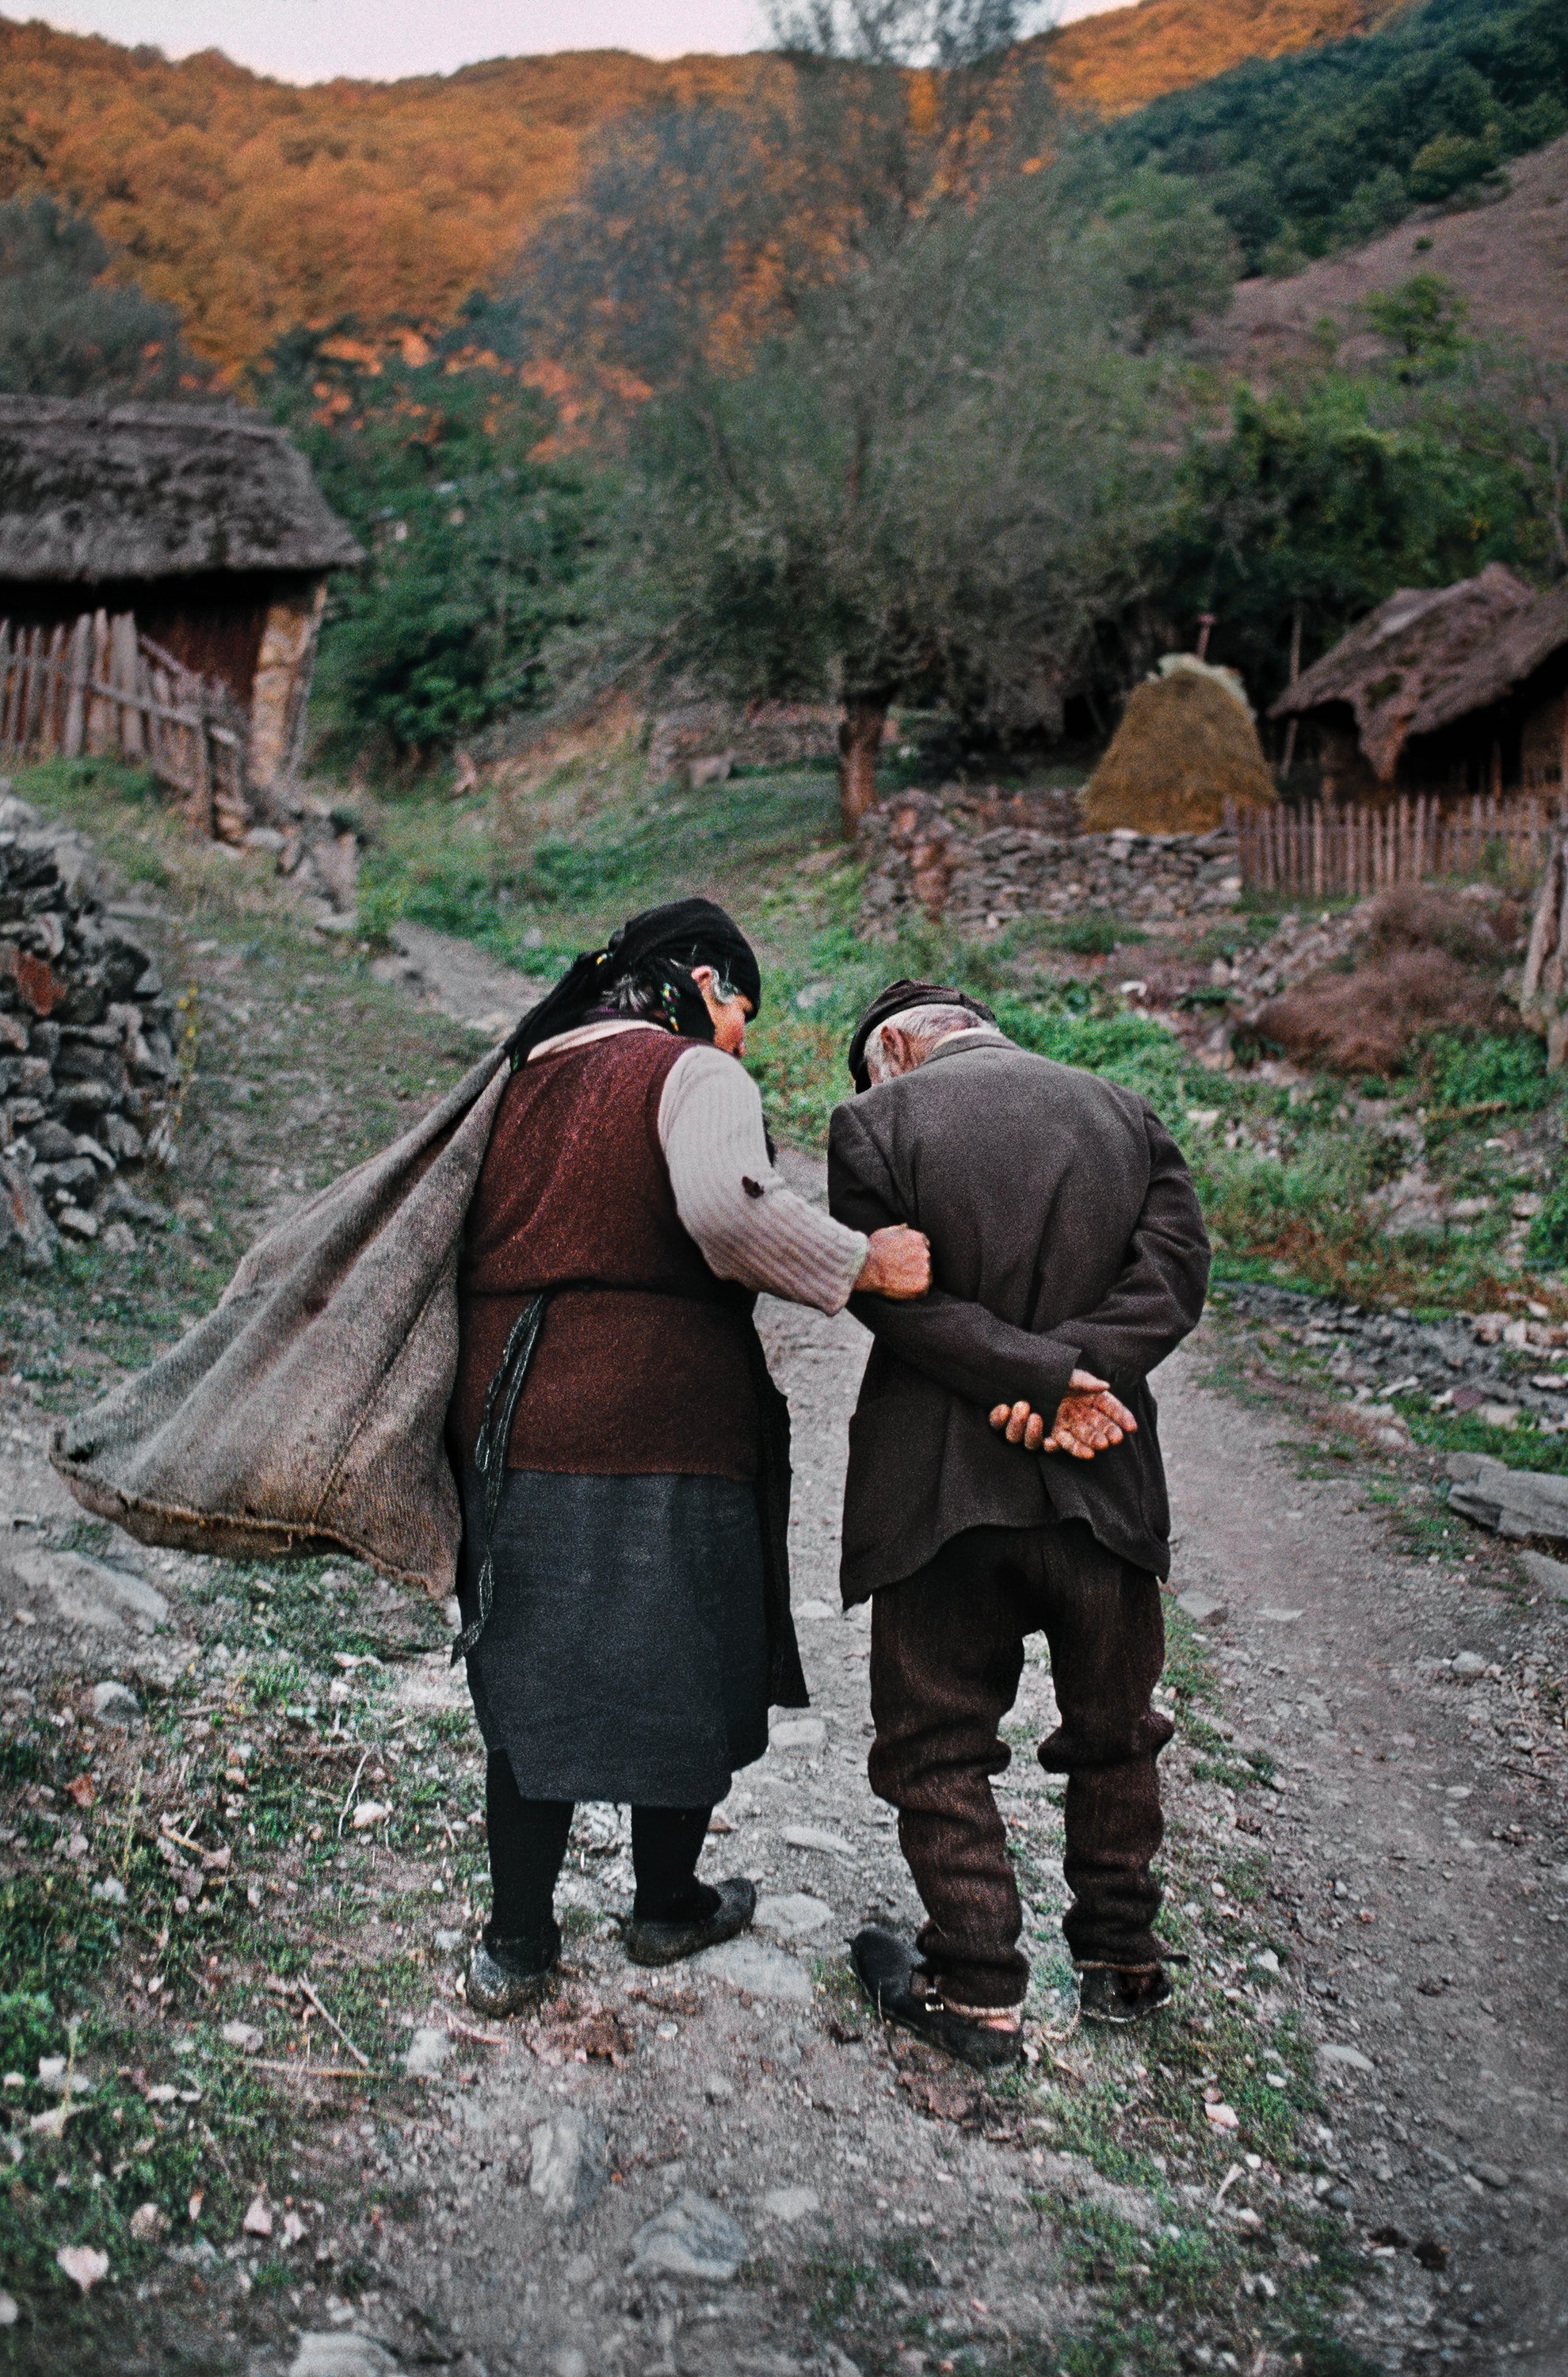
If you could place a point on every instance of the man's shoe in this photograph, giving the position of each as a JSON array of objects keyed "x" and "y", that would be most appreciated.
[
  {"x": 667, "y": 1943},
  {"x": 505, "y": 1976},
  {"x": 887, "y": 1971},
  {"x": 1107, "y": 1994}
]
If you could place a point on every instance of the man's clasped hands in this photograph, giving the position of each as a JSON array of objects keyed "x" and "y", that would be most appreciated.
[{"x": 1088, "y": 1420}]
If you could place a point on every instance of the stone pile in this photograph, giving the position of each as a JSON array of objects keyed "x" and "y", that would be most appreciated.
[
  {"x": 930, "y": 856},
  {"x": 1298, "y": 948},
  {"x": 87, "y": 1045},
  {"x": 1498, "y": 1365}
]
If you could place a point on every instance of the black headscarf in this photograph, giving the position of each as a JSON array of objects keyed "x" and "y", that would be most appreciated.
[
  {"x": 895, "y": 1000},
  {"x": 668, "y": 940}
]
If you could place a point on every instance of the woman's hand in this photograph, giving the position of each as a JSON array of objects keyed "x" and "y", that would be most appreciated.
[
  {"x": 1089, "y": 1419},
  {"x": 897, "y": 1264}
]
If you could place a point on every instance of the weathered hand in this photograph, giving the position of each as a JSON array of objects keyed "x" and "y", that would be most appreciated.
[
  {"x": 897, "y": 1264},
  {"x": 1089, "y": 1419},
  {"x": 1019, "y": 1424}
]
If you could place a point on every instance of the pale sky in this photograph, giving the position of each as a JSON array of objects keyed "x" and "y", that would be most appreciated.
[{"x": 310, "y": 41}]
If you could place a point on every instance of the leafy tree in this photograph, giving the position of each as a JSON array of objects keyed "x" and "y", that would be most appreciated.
[
  {"x": 935, "y": 486},
  {"x": 67, "y": 329},
  {"x": 475, "y": 542},
  {"x": 1332, "y": 491}
]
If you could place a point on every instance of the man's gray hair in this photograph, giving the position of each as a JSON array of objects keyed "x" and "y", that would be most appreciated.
[{"x": 925, "y": 1025}]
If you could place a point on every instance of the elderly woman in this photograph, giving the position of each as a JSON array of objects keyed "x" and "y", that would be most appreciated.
[{"x": 622, "y": 1450}]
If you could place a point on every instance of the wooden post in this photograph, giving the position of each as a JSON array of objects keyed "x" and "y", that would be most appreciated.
[
  {"x": 123, "y": 677},
  {"x": 50, "y": 722},
  {"x": 5, "y": 683},
  {"x": 79, "y": 660},
  {"x": 99, "y": 716}
]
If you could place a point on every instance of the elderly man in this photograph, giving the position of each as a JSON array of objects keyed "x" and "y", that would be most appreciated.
[{"x": 1005, "y": 1479}]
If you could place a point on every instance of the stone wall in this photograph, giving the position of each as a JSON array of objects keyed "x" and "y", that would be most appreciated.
[
  {"x": 87, "y": 1045},
  {"x": 977, "y": 866}
]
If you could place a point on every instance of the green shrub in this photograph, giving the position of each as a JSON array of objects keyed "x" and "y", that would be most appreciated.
[
  {"x": 1448, "y": 164},
  {"x": 1508, "y": 1071}
]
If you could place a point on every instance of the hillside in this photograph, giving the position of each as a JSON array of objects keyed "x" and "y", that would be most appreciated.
[
  {"x": 250, "y": 203},
  {"x": 1123, "y": 59},
  {"x": 1508, "y": 260}
]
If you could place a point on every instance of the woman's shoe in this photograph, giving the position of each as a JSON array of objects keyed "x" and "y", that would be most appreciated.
[
  {"x": 1107, "y": 1994},
  {"x": 666, "y": 1944},
  {"x": 887, "y": 1971},
  {"x": 505, "y": 1976}
]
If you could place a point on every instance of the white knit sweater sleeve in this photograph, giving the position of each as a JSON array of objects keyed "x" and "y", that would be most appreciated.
[{"x": 750, "y": 1227}]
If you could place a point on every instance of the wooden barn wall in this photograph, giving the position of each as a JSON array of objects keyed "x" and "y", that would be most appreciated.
[{"x": 212, "y": 623}]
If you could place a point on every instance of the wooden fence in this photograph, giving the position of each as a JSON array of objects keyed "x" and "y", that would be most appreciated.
[
  {"x": 99, "y": 686},
  {"x": 1324, "y": 848}
]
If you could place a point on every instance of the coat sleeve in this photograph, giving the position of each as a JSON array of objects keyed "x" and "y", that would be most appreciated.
[
  {"x": 958, "y": 1344},
  {"x": 1156, "y": 1299},
  {"x": 1158, "y": 1295}
]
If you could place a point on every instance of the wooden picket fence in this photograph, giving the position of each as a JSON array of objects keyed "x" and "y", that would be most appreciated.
[
  {"x": 1324, "y": 848},
  {"x": 101, "y": 688}
]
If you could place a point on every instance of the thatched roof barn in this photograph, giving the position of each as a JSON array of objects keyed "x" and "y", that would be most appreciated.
[
  {"x": 1442, "y": 689},
  {"x": 202, "y": 519}
]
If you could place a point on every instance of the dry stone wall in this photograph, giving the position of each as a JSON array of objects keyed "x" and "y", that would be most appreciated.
[
  {"x": 87, "y": 1045},
  {"x": 939, "y": 857}
]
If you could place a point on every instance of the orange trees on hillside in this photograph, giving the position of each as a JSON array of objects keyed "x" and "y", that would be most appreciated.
[{"x": 249, "y": 204}]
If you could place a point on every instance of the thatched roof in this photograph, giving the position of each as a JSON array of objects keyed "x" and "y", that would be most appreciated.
[
  {"x": 93, "y": 491},
  {"x": 1431, "y": 655}
]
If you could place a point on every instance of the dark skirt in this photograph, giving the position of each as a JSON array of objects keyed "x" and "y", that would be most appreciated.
[{"x": 625, "y": 1655}]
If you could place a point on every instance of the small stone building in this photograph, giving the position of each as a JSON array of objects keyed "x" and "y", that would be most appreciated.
[
  {"x": 1450, "y": 691},
  {"x": 201, "y": 519}
]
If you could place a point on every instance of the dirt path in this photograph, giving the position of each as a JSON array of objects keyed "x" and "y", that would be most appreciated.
[
  {"x": 889, "y": 2213},
  {"x": 1341, "y": 2152},
  {"x": 1420, "y": 1848}
]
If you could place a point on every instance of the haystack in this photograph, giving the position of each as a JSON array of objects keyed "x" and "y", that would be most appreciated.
[{"x": 1186, "y": 746}]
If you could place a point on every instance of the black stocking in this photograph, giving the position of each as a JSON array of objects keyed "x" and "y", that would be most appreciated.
[{"x": 665, "y": 1845}]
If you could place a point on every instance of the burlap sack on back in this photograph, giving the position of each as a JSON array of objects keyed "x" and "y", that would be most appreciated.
[{"x": 305, "y": 1414}]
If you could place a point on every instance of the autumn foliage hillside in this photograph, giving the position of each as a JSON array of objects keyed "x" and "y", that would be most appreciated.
[
  {"x": 1127, "y": 56},
  {"x": 251, "y": 205}
]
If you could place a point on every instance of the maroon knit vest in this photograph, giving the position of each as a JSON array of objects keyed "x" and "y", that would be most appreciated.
[{"x": 645, "y": 1367}]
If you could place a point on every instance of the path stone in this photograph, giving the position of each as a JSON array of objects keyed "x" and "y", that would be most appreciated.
[
  {"x": 88, "y": 1592},
  {"x": 815, "y": 1836},
  {"x": 798, "y": 1733},
  {"x": 1509, "y": 1501},
  {"x": 765, "y": 1972},
  {"x": 792, "y": 1916},
  {"x": 693, "y": 2237},
  {"x": 1349, "y": 2058},
  {"x": 1548, "y": 1576},
  {"x": 1199, "y": 1607},
  {"x": 341, "y": 2354},
  {"x": 568, "y": 2168},
  {"x": 787, "y": 2204},
  {"x": 114, "y": 1703},
  {"x": 428, "y": 2052}
]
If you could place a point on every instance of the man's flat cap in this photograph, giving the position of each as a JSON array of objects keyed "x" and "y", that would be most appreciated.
[{"x": 894, "y": 1001}]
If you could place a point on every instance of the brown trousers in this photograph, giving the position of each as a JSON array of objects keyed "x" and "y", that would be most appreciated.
[{"x": 947, "y": 1652}]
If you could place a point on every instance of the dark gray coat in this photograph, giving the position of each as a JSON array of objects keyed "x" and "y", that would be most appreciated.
[{"x": 1065, "y": 1234}]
